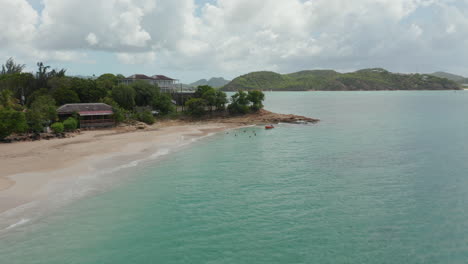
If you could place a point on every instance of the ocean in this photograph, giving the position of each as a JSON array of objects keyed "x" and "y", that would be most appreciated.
[{"x": 383, "y": 178}]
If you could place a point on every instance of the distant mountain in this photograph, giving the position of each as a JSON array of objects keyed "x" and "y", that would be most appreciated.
[
  {"x": 452, "y": 77},
  {"x": 329, "y": 80},
  {"x": 213, "y": 82}
]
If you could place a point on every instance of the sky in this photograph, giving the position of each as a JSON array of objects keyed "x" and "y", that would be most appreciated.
[{"x": 195, "y": 39}]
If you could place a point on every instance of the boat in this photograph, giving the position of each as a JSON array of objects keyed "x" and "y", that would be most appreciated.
[{"x": 269, "y": 127}]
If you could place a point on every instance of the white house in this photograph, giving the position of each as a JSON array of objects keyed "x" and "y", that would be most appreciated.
[{"x": 165, "y": 83}]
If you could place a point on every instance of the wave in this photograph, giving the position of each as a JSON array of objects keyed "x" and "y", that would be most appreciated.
[
  {"x": 20, "y": 222},
  {"x": 64, "y": 190}
]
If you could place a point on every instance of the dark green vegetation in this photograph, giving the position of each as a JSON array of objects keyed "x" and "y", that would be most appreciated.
[
  {"x": 70, "y": 124},
  {"x": 29, "y": 101},
  {"x": 452, "y": 77},
  {"x": 213, "y": 82},
  {"x": 329, "y": 80},
  {"x": 207, "y": 98},
  {"x": 57, "y": 127}
]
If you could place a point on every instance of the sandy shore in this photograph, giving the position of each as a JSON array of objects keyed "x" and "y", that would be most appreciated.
[
  {"x": 26, "y": 168},
  {"x": 40, "y": 174}
]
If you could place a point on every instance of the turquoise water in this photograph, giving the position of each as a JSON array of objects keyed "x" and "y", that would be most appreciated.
[{"x": 382, "y": 179}]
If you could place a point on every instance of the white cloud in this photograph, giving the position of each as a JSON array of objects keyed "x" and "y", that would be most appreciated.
[
  {"x": 92, "y": 39},
  {"x": 18, "y": 21},
  {"x": 242, "y": 35},
  {"x": 137, "y": 58}
]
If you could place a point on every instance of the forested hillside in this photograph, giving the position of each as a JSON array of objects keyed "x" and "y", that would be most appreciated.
[{"x": 329, "y": 80}]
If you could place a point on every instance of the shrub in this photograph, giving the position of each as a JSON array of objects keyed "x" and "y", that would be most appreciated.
[
  {"x": 119, "y": 113},
  {"x": 146, "y": 117},
  {"x": 196, "y": 106},
  {"x": 163, "y": 103},
  {"x": 71, "y": 124},
  {"x": 57, "y": 127},
  {"x": 11, "y": 121}
]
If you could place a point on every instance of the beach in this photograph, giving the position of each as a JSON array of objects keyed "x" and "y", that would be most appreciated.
[
  {"x": 28, "y": 168},
  {"x": 41, "y": 176}
]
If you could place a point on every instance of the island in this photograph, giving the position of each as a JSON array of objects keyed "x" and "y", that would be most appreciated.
[{"x": 374, "y": 79}]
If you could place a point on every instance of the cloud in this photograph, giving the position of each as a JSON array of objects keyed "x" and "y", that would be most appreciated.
[
  {"x": 92, "y": 39},
  {"x": 244, "y": 35},
  {"x": 18, "y": 20},
  {"x": 137, "y": 58}
]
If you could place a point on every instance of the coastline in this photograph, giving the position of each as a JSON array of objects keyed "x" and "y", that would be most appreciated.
[
  {"x": 42, "y": 175},
  {"x": 29, "y": 167}
]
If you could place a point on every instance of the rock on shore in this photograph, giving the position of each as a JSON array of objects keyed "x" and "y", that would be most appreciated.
[{"x": 267, "y": 117}]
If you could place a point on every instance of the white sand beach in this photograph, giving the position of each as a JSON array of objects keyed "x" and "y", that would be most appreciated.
[{"x": 28, "y": 168}]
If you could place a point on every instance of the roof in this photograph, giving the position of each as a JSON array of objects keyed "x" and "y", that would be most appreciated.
[
  {"x": 78, "y": 108},
  {"x": 139, "y": 77},
  {"x": 95, "y": 113},
  {"x": 162, "y": 77},
  {"x": 145, "y": 77}
]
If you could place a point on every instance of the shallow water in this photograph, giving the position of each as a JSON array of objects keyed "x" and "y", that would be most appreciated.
[{"x": 382, "y": 179}]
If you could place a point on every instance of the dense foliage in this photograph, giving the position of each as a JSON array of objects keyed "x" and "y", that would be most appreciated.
[
  {"x": 11, "y": 121},
  {"x": 328, "y": 80},
  {"x": 206, "y": 97},
  {"x": 196, "y": 106},
  {"x": 37, "y": 95},
  {"x": 145, "y": 116},
  {"x": 29, "y": 101},
  {"x": 57, "y": 127},
  {"x": 70, "y": 124}
]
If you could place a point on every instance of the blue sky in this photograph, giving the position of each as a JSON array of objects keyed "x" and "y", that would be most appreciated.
[{"x": 190, "y": 40}]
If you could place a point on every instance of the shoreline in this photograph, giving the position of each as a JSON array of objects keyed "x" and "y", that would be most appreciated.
[
  {"x": 28, "y": 167},
  {"x": 40, "y": 174}
]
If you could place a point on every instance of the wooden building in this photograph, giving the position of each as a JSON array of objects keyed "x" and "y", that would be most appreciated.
[{"x": 91, "y": 115}]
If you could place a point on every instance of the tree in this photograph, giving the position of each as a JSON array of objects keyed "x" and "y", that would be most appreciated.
[
  {"x": 144, "y": 92},
  {"x": 65, "y": 96},
  {"x": 88, "y": 90},
  {"x": 42, "y": 112},
  {"x": 33, "y": 96},
  {"x": 11, "y": 121},
  {"x": 21, "y": 84},
  {"x": 239, "y": 103},
  {"x": 42, "y": 75},
  {"x": 109, "y": 77},
  {"x": 256, "y": 98},
  {"x": 163, "y": 103},
  {"x": 60, "y": 88},
  {"x": 8, "y": 102},
  {"x": 220, "y": 100},
  {"x": 210, "y": 97},
  {"x": 106, "y": 82},
  {"x": 124, "y": 95},
  {"x": 119, "y": 113},
  {"x": 10, "y": 67},
  {"x": 196, "y": 106}
]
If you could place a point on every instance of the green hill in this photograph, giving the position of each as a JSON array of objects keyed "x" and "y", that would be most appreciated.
[
  {"x": 329, "y": 80},
  {"x": 452, "y": 77},
  {"x": 213, "y": 82}
]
